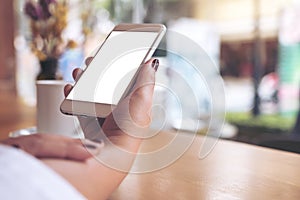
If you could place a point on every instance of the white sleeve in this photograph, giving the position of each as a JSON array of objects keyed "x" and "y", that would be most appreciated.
[{"x": 22, "y": 176}]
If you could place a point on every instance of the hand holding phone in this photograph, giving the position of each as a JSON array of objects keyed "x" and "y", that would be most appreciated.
[
  {"x": 112, "y": 72},
  {"x": 132, "y": 114}
]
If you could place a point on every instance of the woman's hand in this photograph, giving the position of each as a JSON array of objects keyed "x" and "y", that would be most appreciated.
[
  {"x": 125, "y": 126},
  {"x": 124, "y": 129},
  {"x": 54, "y": 146}
]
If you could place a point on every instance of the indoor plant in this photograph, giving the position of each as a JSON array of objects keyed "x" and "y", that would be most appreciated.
[{"x": 48, "y": 19}]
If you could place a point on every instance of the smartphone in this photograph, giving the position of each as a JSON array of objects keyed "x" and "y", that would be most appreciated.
[{"x": 113, "y": 70}]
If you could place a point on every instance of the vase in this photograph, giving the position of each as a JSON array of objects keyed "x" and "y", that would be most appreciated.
[{"x": 49, "y": 70}]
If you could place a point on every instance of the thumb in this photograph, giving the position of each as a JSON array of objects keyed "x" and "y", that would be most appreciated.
[
  {"x": 134, "y": 111},
  {"x": 142, "y": 92}
]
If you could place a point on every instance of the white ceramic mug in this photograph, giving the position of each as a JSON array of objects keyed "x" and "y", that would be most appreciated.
[{"x": 49, "y": 118}]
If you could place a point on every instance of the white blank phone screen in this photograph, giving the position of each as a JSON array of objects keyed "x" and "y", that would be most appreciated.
[{"x": 108, "y": 75}]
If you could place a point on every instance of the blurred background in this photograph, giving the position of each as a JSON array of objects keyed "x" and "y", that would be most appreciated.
[{"x": 255, "y": 45}]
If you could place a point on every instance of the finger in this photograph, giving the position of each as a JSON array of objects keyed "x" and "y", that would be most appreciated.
[
  {"x": 141, "y": 98},
  {"x": 146, "y": 77},
  {"x": 88, "y": 60},
  {"x": 56, "y": 146},
  {"x": 63, "y": 150},
  {"x": 86, "y": 149},
  {"x": 67, "y": 89},
  {"x": 92, "y": 146},
  {"x": 134, "y": 112},
  {"x": 77, "y": 73}
]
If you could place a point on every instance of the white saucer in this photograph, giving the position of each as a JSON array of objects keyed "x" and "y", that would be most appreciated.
[
  {"x": 33, "y": 130},
  {"x": 25, "y": 131}
]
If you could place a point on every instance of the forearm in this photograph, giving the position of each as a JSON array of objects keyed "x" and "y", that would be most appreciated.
[
  {"x": 98, "y": 177},
  {"x": 121, "y": 132},
  {"x": 91, "y": 178}
]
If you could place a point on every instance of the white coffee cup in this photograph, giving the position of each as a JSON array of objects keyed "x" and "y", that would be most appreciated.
[{"x": 49, "y": 118}]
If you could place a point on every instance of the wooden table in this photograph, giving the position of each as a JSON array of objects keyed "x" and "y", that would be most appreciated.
[
  {"x": 14, "y": 114},
  {"x": 231, "y": 171}
]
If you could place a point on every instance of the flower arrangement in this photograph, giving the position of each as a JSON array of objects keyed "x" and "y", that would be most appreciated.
[
  {"x": 48, "y": 19},
  {"x": 88, "y": 16}
]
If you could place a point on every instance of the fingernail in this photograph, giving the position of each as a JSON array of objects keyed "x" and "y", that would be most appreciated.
[
  {"x": 15, "y": 146},
  {"x": 93, "y": 147},
  {"x": 90, "y": 146},
  {"x": 155, "y": 64}
]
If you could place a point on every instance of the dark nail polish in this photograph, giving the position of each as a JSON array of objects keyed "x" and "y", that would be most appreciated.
[
  {"x": 93, "y": 145},
  {"x": 90, "y": 146},
  {"x": 16, "y": 146},
  {"x": 155, "y": 64},
  {"x": 98, "y": 141}
]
